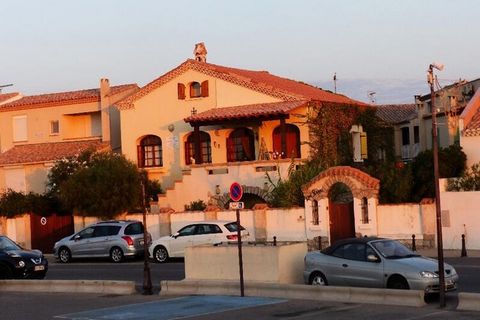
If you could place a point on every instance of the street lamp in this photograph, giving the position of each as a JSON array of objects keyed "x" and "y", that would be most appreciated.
[{"x": 441, "y": 268}]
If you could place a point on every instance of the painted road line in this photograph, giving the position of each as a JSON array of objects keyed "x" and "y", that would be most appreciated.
[{"x": 173, "y": 308}]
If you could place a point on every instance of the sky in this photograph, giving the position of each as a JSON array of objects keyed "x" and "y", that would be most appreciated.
[{"x": 382, "y": 46}]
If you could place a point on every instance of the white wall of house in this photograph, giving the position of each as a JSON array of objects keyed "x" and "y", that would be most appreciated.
[{"x": 471, "y": 148}]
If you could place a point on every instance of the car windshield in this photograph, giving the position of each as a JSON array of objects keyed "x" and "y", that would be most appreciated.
[
  {"x": 7, "y": 244},
  {"x": 391, "y": 249}
]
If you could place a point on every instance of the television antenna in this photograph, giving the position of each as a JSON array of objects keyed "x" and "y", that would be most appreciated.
[
  {"x": 4, "y": 86},
  {"x": 371, "y": 96}
]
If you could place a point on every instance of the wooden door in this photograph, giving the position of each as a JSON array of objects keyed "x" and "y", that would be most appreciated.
[
  {"x": 46, "y": 230},
  {"x": 342, "y": 224}
]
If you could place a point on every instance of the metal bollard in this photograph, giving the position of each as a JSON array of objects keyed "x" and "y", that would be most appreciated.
[
  {"x": 464, "y": 249},
  {"x": 414, "y": 247},
  {"x": 319, "y": 243},
  {"x": 274, "y": 240}
]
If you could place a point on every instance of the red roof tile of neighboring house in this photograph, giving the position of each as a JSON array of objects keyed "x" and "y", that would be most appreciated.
[
  {"x": 7, "y": 96},
  {"x": 260, "y": 81},
  {"x": 471, "y": 116},
  {"x": 396, "y": 113},
  {"x": 246, "y": 111},
  {"x": 60, "y": 98},
  {"x": 44, "y": 152}
]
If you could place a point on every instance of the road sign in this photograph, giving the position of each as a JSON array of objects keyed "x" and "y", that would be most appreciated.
[
  {"x": 236, "y": 191},
  {"x": 237, "y": 205}
]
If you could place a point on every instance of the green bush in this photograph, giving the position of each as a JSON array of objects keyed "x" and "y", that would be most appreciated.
[
  {"x": 198, "y": 205},
  {"x": 468, "y": 181}
]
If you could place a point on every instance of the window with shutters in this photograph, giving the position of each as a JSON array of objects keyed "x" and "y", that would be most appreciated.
[
  {"x": 315, "y": 216},
  {"x": 198, "y": 90},
  {"x": 181, "y": 91},
  {"x": 19, "y": 128},
  {"x": 292, "y": 135},
  {"x": 54, "y": 127},
  {"x": 240, "y": 145},
  {"x": 205, "y": 148},
  {"x": 149, "y": 152},
  {"x": 365, "y": 218}
]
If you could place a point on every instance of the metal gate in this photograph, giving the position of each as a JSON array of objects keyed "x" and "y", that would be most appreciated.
[{"x": 46, "y": 230}]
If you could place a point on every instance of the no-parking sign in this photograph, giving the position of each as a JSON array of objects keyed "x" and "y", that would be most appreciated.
[{"x": 236, "y": 191}]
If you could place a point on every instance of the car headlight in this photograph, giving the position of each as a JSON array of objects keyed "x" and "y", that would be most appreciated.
[
  {"x": 20, "y": 264},
  {"x": 428, "y": 274}
]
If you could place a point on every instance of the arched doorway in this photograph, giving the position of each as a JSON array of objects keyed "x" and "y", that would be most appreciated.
[{"x": 341, "y": 215}]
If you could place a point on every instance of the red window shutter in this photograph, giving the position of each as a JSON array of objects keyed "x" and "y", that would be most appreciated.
[
  {"x": 140, "y": 157},
  {"x": 277, "y": 143},
  {"x": 205, "y": 88},
  {"x": 181, "y": 91},
  {"x": 230, "y": 150}
]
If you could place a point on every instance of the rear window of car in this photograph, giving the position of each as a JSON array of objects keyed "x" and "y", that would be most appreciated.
[
  {"x": 232, "y": 227},
  {"x": 134, "y": 228},
  {"x": 102, "y": 231}
]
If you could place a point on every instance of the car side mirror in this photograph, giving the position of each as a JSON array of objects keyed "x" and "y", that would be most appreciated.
[
  {"x": 77, "y": 237},
  {"x": 175, "y": 235},
  {"x": 373, "y": 258}
]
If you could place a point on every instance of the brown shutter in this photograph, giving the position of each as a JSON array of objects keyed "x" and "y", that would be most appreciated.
[
  {"x": 140, "y": 159},
  {"x": 187, "y": 153},
  {"x": 205, "y": 88},
  {"x": 181, "y": 91},
  {"x": 230, "y": 150}
]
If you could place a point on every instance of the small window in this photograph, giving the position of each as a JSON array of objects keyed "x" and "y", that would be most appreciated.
[
  {"x": 315, "y": 218},
  {"x": 133, "y": 229},
  {"x": 54, "y": 127},
  {"x": 195, "y": 90},
  {"x": 405, "y": 136},
  {"x": 416, "y": 134},
  {"x": 365, "y": 218},
  {"x": 149, "y": 152}
]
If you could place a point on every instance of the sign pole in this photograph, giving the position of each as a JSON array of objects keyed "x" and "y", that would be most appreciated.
[{"x": 240, "y": 257}]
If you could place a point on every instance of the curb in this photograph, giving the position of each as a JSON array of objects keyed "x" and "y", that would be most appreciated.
[
  {"x": 468, "y": 301},
  {"x": 69, "y": 286},
  {"x": 414, "y": 298}
]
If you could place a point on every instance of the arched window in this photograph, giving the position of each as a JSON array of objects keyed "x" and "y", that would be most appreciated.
[
  {"x": 149, "y": 152},
  {"x": 315, "y": 217},
  {"x": 292, "y": 138},
  {"x": 205, "y": 147},
  {"x": 365, "y": 218},
  {"x": 195, "y": 90},
  {"x": 240, "y": 145}
]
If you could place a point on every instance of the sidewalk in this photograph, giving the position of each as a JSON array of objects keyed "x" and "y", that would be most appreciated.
[{"x": 433, "y": 253}]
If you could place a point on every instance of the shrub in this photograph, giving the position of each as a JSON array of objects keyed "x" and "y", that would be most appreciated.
[{"x": 198, "y": 205}]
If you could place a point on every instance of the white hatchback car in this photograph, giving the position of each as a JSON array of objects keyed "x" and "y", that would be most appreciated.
[{"x": 198, "y": 233}]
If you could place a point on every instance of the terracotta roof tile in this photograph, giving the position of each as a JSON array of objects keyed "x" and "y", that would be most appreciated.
[
  {"x": 246, "y": 111},
  {"x": 471, "y": 116},
  {"x": 260, "y": 81},
  {"x": 4, "y": 97},
  {"x": 59, "y": 98},
  {"x": 396, "y": 113},
  {"x": 44, "y": 152}
]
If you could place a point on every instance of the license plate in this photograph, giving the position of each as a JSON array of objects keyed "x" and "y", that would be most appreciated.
[{"x": 39, "y": 268}]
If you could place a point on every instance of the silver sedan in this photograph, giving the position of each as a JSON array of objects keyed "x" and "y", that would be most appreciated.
[{"x": 375, "y": 263}]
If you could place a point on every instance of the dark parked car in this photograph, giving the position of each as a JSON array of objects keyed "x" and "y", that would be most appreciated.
[
  {"x": 16, "y": 262},
  {"x": 375, "y": 263},
  {"x": 116, "y": 239}
]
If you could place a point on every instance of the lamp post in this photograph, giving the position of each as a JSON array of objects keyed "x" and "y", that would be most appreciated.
[
  {"x": 441, "y": 268},
  {"x": 147, "y": 279}
]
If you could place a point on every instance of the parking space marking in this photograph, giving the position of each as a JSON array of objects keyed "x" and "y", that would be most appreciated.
[{"x": 182, "y": 307}]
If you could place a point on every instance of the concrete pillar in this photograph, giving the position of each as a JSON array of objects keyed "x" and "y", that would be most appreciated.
[{"x": 260, "y": 224}]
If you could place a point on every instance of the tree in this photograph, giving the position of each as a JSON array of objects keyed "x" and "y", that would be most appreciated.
[{"x": 101, "y": 184}]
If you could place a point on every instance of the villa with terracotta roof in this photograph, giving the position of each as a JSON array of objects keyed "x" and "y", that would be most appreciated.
[
  {"x": 202, "y": 126},
  {"x": 37, "y": 130}
]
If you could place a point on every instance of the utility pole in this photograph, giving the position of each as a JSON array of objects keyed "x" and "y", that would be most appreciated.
[
  {"x": 441, "y": 267},
  {"x": 335, "y": 82}
]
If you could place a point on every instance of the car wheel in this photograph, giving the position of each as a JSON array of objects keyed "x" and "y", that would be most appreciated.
[
  {"x": 64, "y": 255},
  {"x": 318, "y": 279},
  {"x": 398, "y": 282},
  {"x": 160, "y": 254},
  {"x": 116, "y": 254},
  {"x": 5, "y": 272}
]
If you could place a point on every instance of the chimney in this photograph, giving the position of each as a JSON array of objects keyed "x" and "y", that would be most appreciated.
[
  {"x": 105, "y": 108},
  {"x": 200, "y": 52}
]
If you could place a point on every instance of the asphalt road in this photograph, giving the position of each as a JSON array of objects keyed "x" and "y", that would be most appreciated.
[
  {"x": 132, "y": 270},
  {"x": 21, "y": 306}
]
